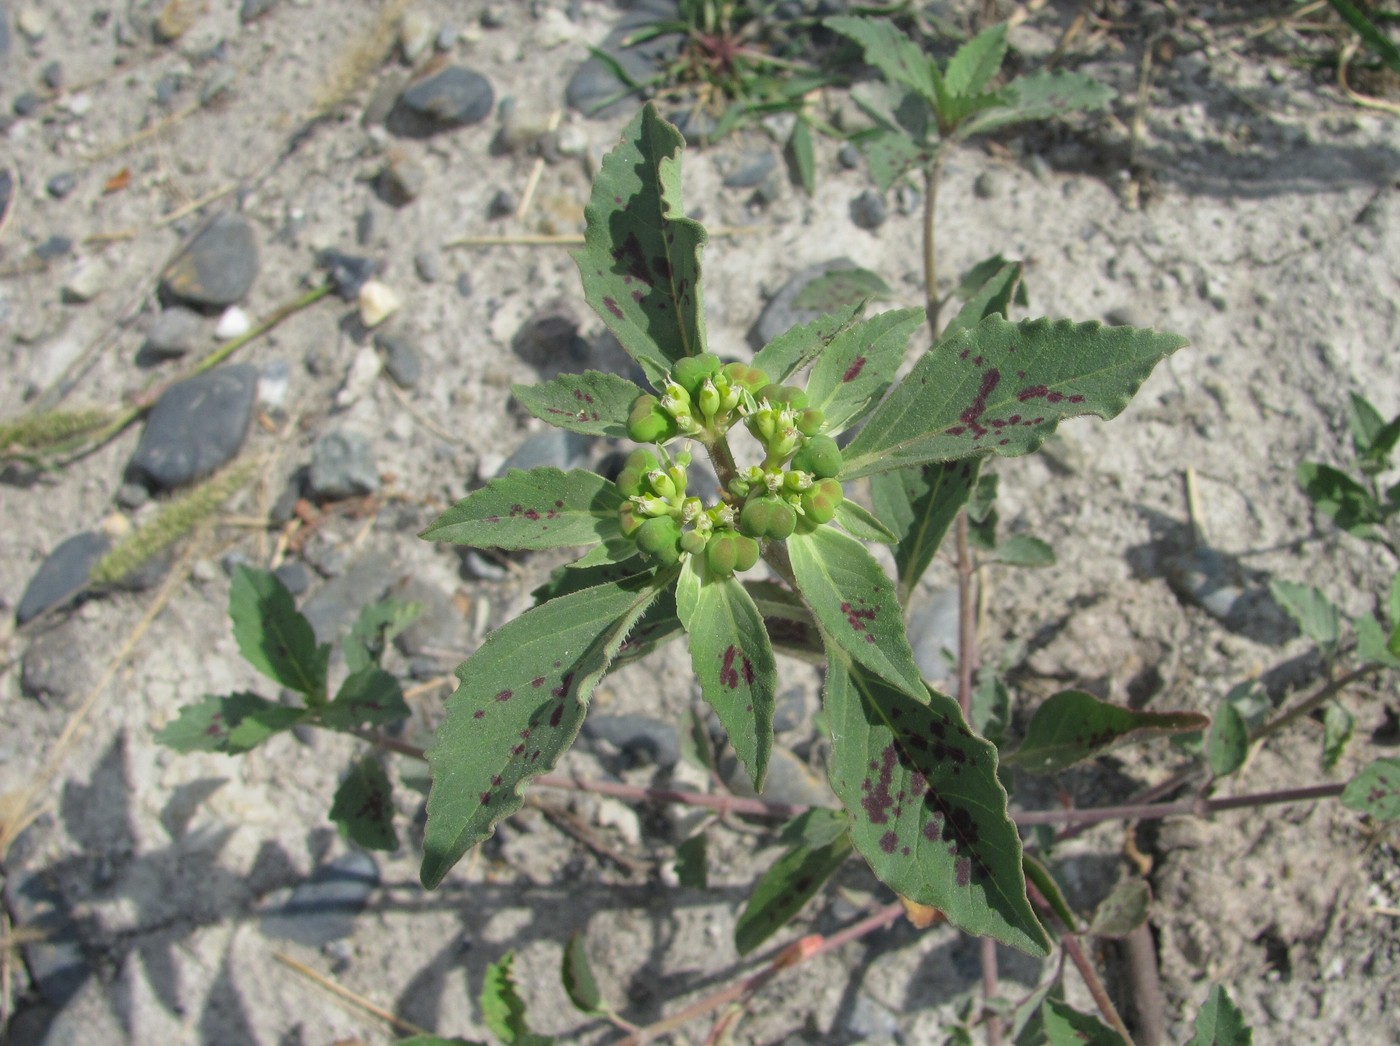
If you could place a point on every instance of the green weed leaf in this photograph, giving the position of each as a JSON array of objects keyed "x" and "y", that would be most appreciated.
[
  {"x": 971, "y": 69},
  {"x": 891, "y": 154},
  {"x": 579, "y": 984},
  {"x": 854, "y": 371},
  {"x": 1065, "y": 1026},
  {"x": 818, "y": 845},
  {"x": 1024, "y": 551},
  {"x": 1376, "y": 790},
  {"x": 593, "y": 403},
  {"x": 1337, "y": 725},
  {"x": 841, "y": 289},
  {"x": 436, "y": 1040},
  {"x": 274, "y": 636},
  {"x": 919, "y": 503},
  {"x": 1039, "y": 876},
  {"x": 1336, "y": 495},
  {"x": 691, "y": 865},
  {"x": 542, "y": 508},
  {"x": 804, "y": 160},
  {"x": 733, "y": 659},
  {"x": 900, "y": 59},
  {"x": 369, "y": 697},
  {"x": 232, "y": 724},
  {"x": 1316, "y": 615},
  {"x": 1072, "y": 726},
  {"x": 989, "y": 289},
  {"x": 927, "y": 810},
  {"x": 363, "y": 809},
  {"x": 855, "y": 604},
  {"x": 1002, "y": 388},
  {"x": 519, "y": 705},
  {"x": 503, "y": 1009},
  {"x": 374, "y": 628},
  {"x": 790, "y": 351},
  {"x": 1227, "y": 745},
  {"x": 1123, "y": 910},
  {"x": 1372, "y": 644},
  {"x": 640, "y": 262},
  {"x": 862, "y": 525},
  {"x": 1220, "y": 1022},
  {"x": 1039, "y": 96}
]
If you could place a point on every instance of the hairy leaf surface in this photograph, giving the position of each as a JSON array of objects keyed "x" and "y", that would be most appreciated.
[
  {"x": 1376, "y": 790},
  {"x": 1220, "y": 1022},
  {"x": 818, "y": 845},
  {"x": 1041, "y": 95},
  {"x": 593, "y": 403},
  {"x": 919, "y": 504},
  {"x": 971, "y": 69},
  {"x": 993, "y": 286},
  {"x": 889, "y": 50},
  {"x": 1072, "y": 726},
  {"x": 842, "y": 288},
  {"x": 369, "y": 697},
  {"x": 231, "y": 724},
  {"x": 640, "y": 262},
  {"x": 927, "y": 810},
  {"x": 856, "y": 520},
  {"x": 542, "y": 508},
  {"x": 855, "y": 604},
  {"x": 273, "y": 635},
  {"x": 799, "y": 345},
  {"x": 519, "y": 705},
  {"x": 363, "y": 808},
  {"x": 1002, "y": 388},
  {"x": 854, "y": 371}
]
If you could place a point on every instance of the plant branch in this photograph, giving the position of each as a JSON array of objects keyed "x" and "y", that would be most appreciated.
[
  {"x": 1309, "y": 704},
  {"x": 1069, "y": 941},
  {"x": 967, "y": 617},
  {"x": 1200, "y": 807}
]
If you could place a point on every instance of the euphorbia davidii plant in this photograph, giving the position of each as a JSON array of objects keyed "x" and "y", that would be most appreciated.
[{"x": 919, "y": 788}]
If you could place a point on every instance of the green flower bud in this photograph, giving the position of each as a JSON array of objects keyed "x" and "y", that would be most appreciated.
[
  {"x": 709, "y": 399},
  {"x": 821, "y": 500},
  {"x": 662, "y": 484},
  {"x": 797, "y": 481},
  {"x": 650, "y": 505},
  {"x": 728, "y": 552},
  {"x": 783, "y": 443},
  {"x": 763, "y": 423},
  {"x": 739, "y": 487},
  {"x": 818, "y": 455},
  {"x": 810, "y": 420},
  {"x": 690, "y": 373},
  {"x": 648, "y": 422},
  {"x": 675, "y": 400},
  {"x": 660, "y": 536}
]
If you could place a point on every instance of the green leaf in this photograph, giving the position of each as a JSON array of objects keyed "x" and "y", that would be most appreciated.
[
  {"x": 1024, "y": 551},
  {"x": 891, "y": 155},
  {"x": 542, "y": 508},
  {"x": 520, "y": 703},
  {"x": 919, "y": 503},
  {"x": 503, "y": 1009},
  {"x": 1372, "y": 644},
  {"x": 593, "y": 403},
  {"x": 803, "y": 159},
  {"x": 641, "y": 257},
  {"x": 798, "y": 346},
  {"x": 1072, "y": 726},
  {"x": 1123, "y": 910},
  {"x": 990, "y": 295},
  {"x": 369, "y": 697},
  {"x": 274, "y": 636},
  {"x": 733, "y": 659},
  {"x": 231, "y": 724},
  {"x": 1066, "y": 1026},
  {"x": 1039, "y": 876},
  {"x": 363, "y": 809},
  {"x": 976, "y": 62},
  {"x": 991, "y": 709},
  {"x": 927, "y": 810},
  {"x": 1337, "y": 724},
  {"x": 579, "y": 984},
  {"x": 795, "y": 878},
  {"x": 1365, "y": 423},
  {"x": 1039, "y": 96},
  {"x": 691, "y": 869},
  {"x": 1376, "y": 790},
  {"x": 1319, "y": 619},
  {"x": 1220, "y": 1022},
  {"x": 899, "y": 58},
  {"x": 855, "y": 604},
  {"x": 1227, "y": 746},
  {"x": 842, "y": 288},
  {"x": 695, "y": 747},
  {"x": 861, "y": 524},
  {"x": 854, "y": 371},
  {"x": 1338, "y": 496},
  {"x": 374, "y": 628},
  {"x": 1368, "y": 31},
  {"x": 1002, "y": 388}
]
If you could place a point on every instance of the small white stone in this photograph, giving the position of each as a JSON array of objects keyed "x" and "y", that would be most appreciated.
[
  {"x": 614, "y": 814},
  {"x": 86, "y": 281},
  {"x": 234, "y": 323},
  {"x": 377, "y": 303},
  {"x": 31, "y": 23},
  {"x": 552, "y": 29},
  {"x": 360, "y": 378},
  {"x": 78, "y": 104},
  {"x": 415, "y": 35}
]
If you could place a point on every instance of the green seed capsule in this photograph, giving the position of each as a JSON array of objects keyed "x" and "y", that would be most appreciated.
[
  {"x": 820, "y": 456},
  {"x": 768, "y": 517},
  {"x": 690, "y": 373},
  {"x": 741, "y": 374},
  {"x": 728, "y": 552},
  {"x": 821, "y": 500},
  {"x": 810, "y": 421},
  {"x": 784, "y": 395},
  {"x": 692, "y": 542},
  {"x": 659, "y": 534},
  {"x": 648, "y": 422},
  {"x": 629, "y": 519}
]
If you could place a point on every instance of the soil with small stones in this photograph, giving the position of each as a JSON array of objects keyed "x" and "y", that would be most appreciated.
[{"x": 1256, "y": 212}]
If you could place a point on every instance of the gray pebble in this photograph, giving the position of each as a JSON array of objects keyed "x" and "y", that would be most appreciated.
[
  {"x": 402, "y": 180},
  {"x": 219, "y": 264},
  {"x": 323, "y": 908},
  {"x": 1209, "y": 579},
  {"x": 437, "y": 630},
  {"x": 552, "y": 448},
  {"x": 251, "y": 10},
  {"x": 907, "y": 199},
  {"x": 790, "y": 780},
  {"x": 446, "y": 38},
  {"x": 348, "y": 272},
  {"x": 641, "y": 740},
  {"x": 986, "y": 186},
  {"x": 88, "y": 279},
  {"x": 502, "y": 204},
  {"x": 595, "y": 90},
  {"x": 334, "y": 607},
  {"x": 751, "y": 170},
  {"x": 25, "y": 104},
  {"x": 62, "y": 575},
  {"x": 849, "y": 156},
  {"x": 294, "y": 575},
  {"x": 494, "y": 16},
  {"x": 450, "y": 98},
  {"x": 132, "y": 495},
  {"x": 50, "y": 671},
  {"x": 868, "y": 210},
  {"x": 401, "y": 359},
  {"x": 54, "y": 247},
  {"x": 166, "y": 88},
  {"x": 550, "y": 338},
  {"x": 464, "y": 285},
  {"x": 427, "y": 266},
  {"x": 61, "y": 184},
  {"x": 933, "y": 633},
  {"x": 872, "y": 1023},
  {"x": 196, "y": 426},
  {"x": 174, "y": 332},
  {"x": 342, "y": 466},
  {"x": 364, "y": 226},
  {"x": 53, "y": 76},
  {"x": 779, "y": 315}
]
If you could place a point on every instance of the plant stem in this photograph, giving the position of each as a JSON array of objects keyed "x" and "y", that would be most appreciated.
[
  {"x": 1309, "y": 704},
  {"x": 793, "y": 955},
  {"x": 1199, "y": 806},
  {"x": 1069, "y": 941},
  {"x": 932, "y": 174},
  {"x": 967, "y": 618},
  {"x": 990, "y": 1018}
]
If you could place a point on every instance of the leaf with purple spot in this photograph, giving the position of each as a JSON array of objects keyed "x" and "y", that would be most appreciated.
[
  {"x": 542, "y": 508},
  {"x": 818, "y": 845},
  {"x": 593, "y": 403},
  {"x": 1376, "y": 790},
  {"x": 927, "y": 810},
  {"x": 232, "y": 724},
  {"x": 1071, "y": 726},
  {"x": 1002, "y": 388},
  {"x": 363, "y": 808},
  {"x": 518, "y": 707},
  {"x": 854, "y": 371}
]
